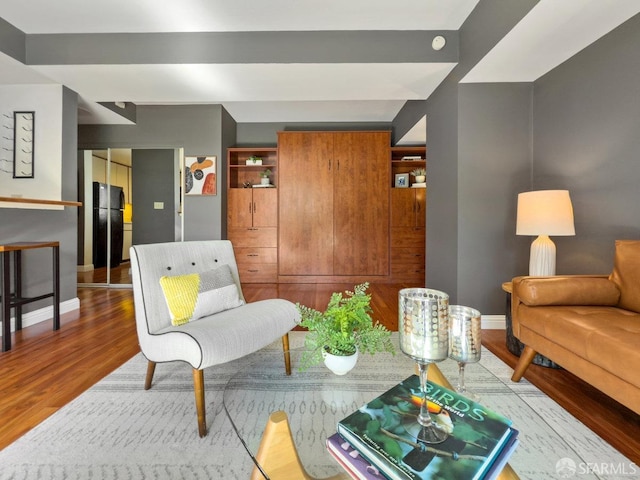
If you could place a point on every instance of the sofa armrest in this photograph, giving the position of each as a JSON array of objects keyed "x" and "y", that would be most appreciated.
[{"x": 565, "y": 290}]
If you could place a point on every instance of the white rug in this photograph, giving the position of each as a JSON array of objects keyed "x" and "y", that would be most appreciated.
[{"x": 117, "y": 430}]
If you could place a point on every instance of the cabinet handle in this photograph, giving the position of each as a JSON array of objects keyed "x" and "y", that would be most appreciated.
[
  {"x": 256, "y": 255},
  {"x": 253, "y": 271},
  {"x": 250, "y": 211},
  {"x": 254, "y": 207}
]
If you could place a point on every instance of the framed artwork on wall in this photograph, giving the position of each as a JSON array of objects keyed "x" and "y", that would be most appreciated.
[
  {"x": 23, "y": 142},
  {"x": 200, "y": 175},
  {"x": 402, "y": 180}
]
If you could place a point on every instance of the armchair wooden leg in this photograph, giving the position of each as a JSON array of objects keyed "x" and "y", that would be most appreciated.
[
  {"x": 287, "y": 355},
  {"x": 151, "y": 368},
  {"x": 198, "y": 387},
  {"x": 526, "y": 357}
]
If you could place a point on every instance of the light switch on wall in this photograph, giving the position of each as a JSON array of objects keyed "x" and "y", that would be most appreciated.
[{"x": 158, "y": 205}]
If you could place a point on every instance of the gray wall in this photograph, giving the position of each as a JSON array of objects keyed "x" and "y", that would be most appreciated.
[
  {"x": 472, "y": 177},
  {"x": 196, "y": 128},
  {"x": 587, "y": 140},
  {"x": 494, "y": 163},
  {"x": 574, "y": 128},
  {"x": 50, "y": 225}
]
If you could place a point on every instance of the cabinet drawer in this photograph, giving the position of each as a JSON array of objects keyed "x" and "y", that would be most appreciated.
[
  {"x": 258, "y": 273},
  {"x": 253, "y": 255},
  {"x": 402, "y": 237},
  {"x": 253, "y": 237}
]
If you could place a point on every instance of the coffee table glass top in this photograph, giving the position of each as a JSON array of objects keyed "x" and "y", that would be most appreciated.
[{"x": 316, "y": 399}]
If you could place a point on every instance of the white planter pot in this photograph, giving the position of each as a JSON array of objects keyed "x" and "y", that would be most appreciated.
[
  {"x": 420, "y": 178},
  {"x": 340, "y": 365},
  {"x": 264, "y": 180}
]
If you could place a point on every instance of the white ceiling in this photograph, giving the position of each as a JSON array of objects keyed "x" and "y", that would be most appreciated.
[{"x": 551, "y": 33}]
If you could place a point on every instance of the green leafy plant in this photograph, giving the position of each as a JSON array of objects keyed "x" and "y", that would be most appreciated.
[
  {"x": 418, "y": 172},
  {"x": 254, "y": 159},
  {"x": 265, "y": 173},
  {"x": 345, "y": 325}
]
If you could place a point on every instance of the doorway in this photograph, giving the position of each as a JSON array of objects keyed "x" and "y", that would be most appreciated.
[{"x": 130, "y": 196}]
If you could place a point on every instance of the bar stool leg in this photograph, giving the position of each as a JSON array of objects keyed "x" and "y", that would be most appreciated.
[
  {"x": 56, "y": 288},
  {"x": 17, "y": 287},
  {"x": 5, "y": 300}
]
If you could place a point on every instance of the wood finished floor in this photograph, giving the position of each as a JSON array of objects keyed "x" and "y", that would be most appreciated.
[{"x": 45, "y": 369}]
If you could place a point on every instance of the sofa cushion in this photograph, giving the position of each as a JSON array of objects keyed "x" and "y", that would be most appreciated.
[
  {"x": 567, "y": 290},
  {"x": 196, "y": 295},
  {"x": 626, "y": 273},
  {"x": 605, "y": 336}
]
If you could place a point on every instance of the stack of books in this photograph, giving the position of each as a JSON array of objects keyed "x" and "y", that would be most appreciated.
[{"x": 381, "y": 439}]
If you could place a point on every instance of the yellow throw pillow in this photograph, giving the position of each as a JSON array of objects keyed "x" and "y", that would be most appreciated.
[{"x": 196, "y": 295}]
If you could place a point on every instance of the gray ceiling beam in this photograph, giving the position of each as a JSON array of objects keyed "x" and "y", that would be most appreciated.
[{"x": 384, "y": 46}]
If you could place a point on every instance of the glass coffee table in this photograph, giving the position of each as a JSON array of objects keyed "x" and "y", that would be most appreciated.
[{"x": 283, "y": 421}]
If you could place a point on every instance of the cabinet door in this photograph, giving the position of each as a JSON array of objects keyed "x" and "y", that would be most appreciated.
[
  {"x": 403, "y": 207},
  {"x": 421, "y": 207},
  {"x": 408, "y": 207},
  {"x": 305, "y": 185},
  {"x": 361, "y": 199},
  {"x": 239, "y": 210},
  {"x": 265, "y": 207}
]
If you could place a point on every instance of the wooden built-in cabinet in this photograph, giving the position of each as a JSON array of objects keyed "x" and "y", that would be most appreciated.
[
  {"x": 333, "y": 205},
  {"x": 252, "y": 214},
  {"x": 408, "y": 219},
  {"x": 335, "y": 214}
]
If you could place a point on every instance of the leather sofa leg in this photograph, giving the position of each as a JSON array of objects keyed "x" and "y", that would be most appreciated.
[
  {"x": 287, "y": 355},
  {"x": 151, "y": 368},
  {"x": 198, "y": 387},
  {"x": 526, "y": 357}
]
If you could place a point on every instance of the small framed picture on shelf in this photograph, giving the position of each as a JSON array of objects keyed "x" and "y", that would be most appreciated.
[{"x": 402, "y": 180}]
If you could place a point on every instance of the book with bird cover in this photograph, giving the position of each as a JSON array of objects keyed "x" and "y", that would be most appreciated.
[{"x": 386, "y": 432}]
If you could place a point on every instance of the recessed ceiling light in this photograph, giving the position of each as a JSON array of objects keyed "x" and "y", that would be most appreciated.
[{"x": 438, "y": 42}]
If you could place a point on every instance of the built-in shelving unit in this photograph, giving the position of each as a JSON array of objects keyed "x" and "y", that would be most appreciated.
[{"x": 242, "y": 172}]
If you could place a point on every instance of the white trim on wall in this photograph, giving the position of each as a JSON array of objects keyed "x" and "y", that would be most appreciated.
[
  {"x": 45, "y": 314},
  {"x": 493, "y": 322}
]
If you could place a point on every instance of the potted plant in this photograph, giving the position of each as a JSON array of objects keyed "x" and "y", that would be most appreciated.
[
  {"x": 264, "y": 176},
  {"x": 343, "y": 329},
  {"x": 254, "y": 160},
  {"x": 420, "y": 174}
]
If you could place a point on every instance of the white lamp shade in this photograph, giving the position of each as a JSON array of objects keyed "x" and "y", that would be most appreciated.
[{"x": 545, "y": 212}]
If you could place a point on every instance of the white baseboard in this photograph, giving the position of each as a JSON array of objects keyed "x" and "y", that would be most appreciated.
[
  {"x": 493, "y": 322},
  {"x": 45, "y": 314}
]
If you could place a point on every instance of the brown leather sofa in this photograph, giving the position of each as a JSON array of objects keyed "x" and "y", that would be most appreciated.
[{"x": 588, "y": 324}]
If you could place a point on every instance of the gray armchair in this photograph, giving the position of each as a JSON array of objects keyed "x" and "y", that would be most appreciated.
[{"x": 213, "y": 339}]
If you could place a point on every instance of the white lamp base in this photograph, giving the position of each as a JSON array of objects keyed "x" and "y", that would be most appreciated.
[{"x": 542, "y": 260}]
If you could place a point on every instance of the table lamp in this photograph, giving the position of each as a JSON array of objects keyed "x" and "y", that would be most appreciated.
[{"x": 544, "y": 213}]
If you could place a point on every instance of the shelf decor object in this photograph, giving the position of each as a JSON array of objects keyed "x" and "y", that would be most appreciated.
[
  {"x": 544, "y": 213},
  {"x": 23, "y": 143},
  {"x": 402, "y": 180}
]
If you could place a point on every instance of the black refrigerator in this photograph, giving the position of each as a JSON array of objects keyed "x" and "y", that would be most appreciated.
[{"x": 107, "y": 207}]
